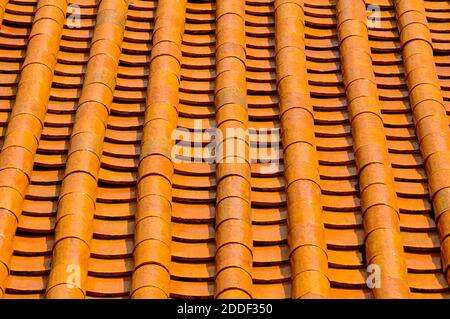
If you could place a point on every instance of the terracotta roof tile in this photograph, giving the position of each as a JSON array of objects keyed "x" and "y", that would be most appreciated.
[
  {"x": 306, "y": 230},
  {"x": 428, "y": 109},
  {"x": 152, "y": 254},
  {"x": 234, "y": 233},
  {"x": 78, "y": 193},
  {"x": 224, "y": 149},
  {"x": 27, "y": 118},
  {"x": 379, "y": 206}
]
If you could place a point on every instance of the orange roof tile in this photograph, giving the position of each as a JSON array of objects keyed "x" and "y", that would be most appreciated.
[
  {"x": 224, "y": 149},
  {"x": 153, "y": 229},
  {"x": 309, "y": 260},
  {"x": 379, "y": 208}
]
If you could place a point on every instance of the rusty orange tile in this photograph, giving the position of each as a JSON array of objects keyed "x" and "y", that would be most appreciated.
[{"x": 108, "y": 169}]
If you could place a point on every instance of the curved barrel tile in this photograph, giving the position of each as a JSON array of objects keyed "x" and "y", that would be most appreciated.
[
  {"x": 379, "y": 206},
  {"x": 309, "y": 258},
  {"x": 303, "y": 82},
  {"x": 429, "y": 112},
  {"x": 233, "y": 215},
  {"x": 153, "y": 236},
  {"x": 76, "y": 207},
  {"x": 3, "y": 4},
  {"x": 27, "y": 119}
]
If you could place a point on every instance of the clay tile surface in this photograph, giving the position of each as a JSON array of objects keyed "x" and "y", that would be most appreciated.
[{"x": 224, "y": 149}]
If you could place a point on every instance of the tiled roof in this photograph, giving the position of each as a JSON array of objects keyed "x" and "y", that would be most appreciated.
[{"x": 119, "y": 176}]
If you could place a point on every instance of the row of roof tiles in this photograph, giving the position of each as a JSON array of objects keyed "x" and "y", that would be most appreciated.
[{"x": 324, "y": 237}]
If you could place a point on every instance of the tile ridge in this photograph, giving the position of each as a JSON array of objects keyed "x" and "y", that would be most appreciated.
[
  {"x": 234, "y": 241},
  {"x": 152, "y": 254},
  {"x": 379, "y": 207},
  {"x": 26, "y": 121},
  {"x": 308, "y": 252},
  {"x": 76, "y": 206},
  {"x": 429, "y": 113}
]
